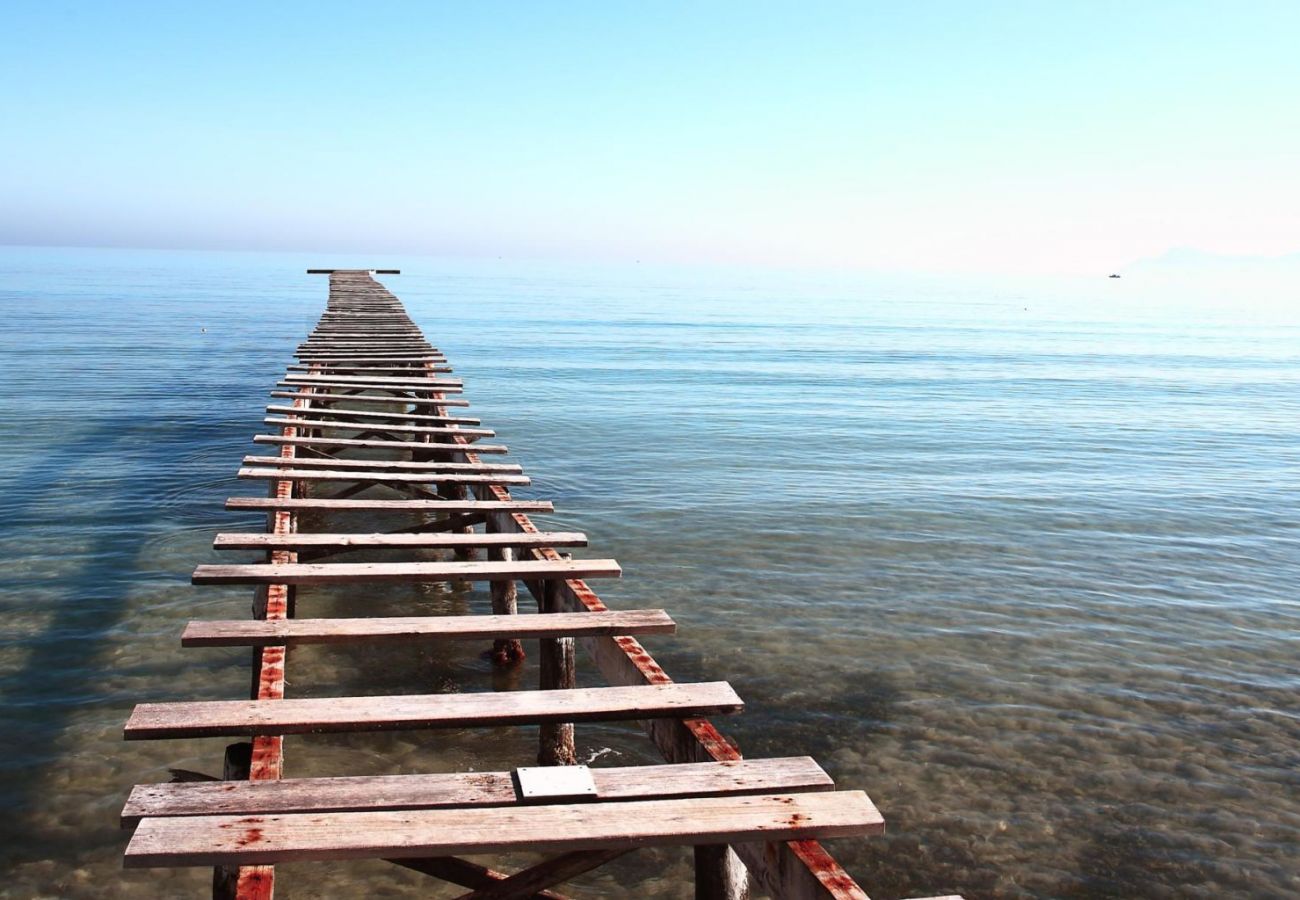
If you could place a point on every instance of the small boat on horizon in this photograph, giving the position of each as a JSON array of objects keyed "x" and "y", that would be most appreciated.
[{"x": 1113, "y": 275}]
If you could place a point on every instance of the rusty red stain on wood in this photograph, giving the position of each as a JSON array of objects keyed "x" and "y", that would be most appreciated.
[{"x": 258, "y": 882}]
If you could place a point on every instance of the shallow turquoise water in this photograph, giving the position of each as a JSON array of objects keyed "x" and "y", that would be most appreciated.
[{"x": 1018, "y": 559}]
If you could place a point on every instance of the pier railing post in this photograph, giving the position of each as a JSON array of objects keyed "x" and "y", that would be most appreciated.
[{"x": 559, "y": 672}]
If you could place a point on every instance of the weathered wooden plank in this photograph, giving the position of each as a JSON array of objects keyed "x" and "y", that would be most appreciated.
[
  {"x": 210, "y": 840},
  {"x": 339, "y": 425},
  {"x": 374, "y": 386},
  {"x": 324, "y": 358},
  {"x": 335, "y": 356},
  {"x": 263, "y": 541},
  {"x": 354, "y": 271},
  {"x": 254, "y": 633},
  {"x": 402, "y": 477},
  {"x": 377, "y": 443},
  {"x": 371, "y": 399},
  {"x": 377, "y": 347},
  {"x": 325, "y": 573},
  {"x": 371, "y": 414},
  {"x": 336, "y": 463},
  {"x": 431, "y": 382},
  {"x": 419, "y": 711},
  {"x": 374, "y": 329},
  {"x": 365, "y": 338},
  {"x": 355, "y": 369},
  {"x": 412, "y": 506}
]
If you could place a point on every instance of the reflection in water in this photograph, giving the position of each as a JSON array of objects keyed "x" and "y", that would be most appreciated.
[{"x": 1028, "y": 579}]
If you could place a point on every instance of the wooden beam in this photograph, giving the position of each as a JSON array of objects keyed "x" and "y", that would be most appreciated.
[
  {"x": 333, "y": 573},
  {"x": 381, "y": 477},
  {"x": 213, "y": 840},
  {"x": 337, "y": 425},
  {"x": 415, "y": 506},
  {"x": 418, "y": 711},
  {"x": 375, "y": 444},
  {"x": 464, "y": 872},
  {"x": 385, "y": 629},
  {"x": 524, "y": 884},
  {"x": 334, "y": 462},
  {"x": 783, "y": 775},
  {"x": 377, "y": 540},
  {"x": 372, "y": 414},
  {"x": 369, "y": 400},
  {"x": 429, "y": 383},
  {"x": 407, "y": 388}
]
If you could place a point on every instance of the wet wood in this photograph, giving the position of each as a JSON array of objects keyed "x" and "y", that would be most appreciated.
[{"x": 215, "y": 718}]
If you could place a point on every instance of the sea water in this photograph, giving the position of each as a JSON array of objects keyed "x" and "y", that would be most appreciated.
[{"x": 1018, "y": 558}]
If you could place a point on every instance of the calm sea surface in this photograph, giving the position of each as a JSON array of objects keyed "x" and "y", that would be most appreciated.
[{"x": 1019, "y": 560}]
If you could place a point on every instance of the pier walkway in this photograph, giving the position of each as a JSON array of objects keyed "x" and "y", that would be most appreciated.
[{"x": 368, "y": 380}]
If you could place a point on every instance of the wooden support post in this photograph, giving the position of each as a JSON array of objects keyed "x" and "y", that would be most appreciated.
[
  {"x": 457, "y": 492},
  {"x": 238, "y": 761},
  {"x": 446, "y": 491},
  {"x": 559, "y": 672},
  {"x": 505, "y": 598},
  {"x": 719, "y": 874}
]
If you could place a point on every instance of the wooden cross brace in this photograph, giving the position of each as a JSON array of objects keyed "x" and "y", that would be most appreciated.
[{"x": 526, "y": 884}]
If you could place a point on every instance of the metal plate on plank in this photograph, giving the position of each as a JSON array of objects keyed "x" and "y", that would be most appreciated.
[{"x": 549, "y": 784}]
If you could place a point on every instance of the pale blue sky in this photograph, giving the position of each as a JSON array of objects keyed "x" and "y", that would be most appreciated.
[{"x": 1047, "y": 136}]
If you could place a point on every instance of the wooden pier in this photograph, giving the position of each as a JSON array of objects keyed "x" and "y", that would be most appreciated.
[{"x": 758, "y": 819}]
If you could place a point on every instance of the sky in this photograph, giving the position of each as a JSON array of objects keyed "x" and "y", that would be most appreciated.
[{"x": 1044, "y": 137}]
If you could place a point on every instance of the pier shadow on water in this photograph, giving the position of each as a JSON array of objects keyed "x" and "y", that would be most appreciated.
[{"x": 85, "y": 511}]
